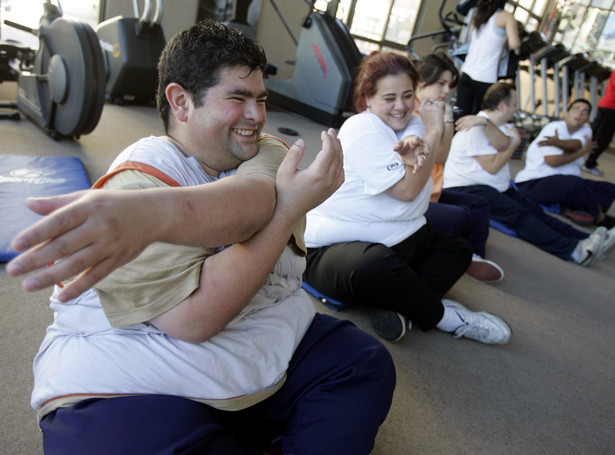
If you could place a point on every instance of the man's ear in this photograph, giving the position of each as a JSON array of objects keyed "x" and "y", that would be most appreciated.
[{"x": 179, "y": 100}]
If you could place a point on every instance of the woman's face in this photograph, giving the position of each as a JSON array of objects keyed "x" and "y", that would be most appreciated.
[
  {"x": 393, "y": 101},
  {"x": 437, "y": 91}
]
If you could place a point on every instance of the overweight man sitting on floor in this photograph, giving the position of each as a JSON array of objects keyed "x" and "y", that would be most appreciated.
[
  {"x": 552, "y": 172},
  {"x": 478, "y": 164},
  {"x": 212, "y": 347}
]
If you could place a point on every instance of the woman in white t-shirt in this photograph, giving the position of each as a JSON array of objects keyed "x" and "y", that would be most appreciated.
[
  {"x": 369, "y": 243},
  {"x": 494, "y": 32}
]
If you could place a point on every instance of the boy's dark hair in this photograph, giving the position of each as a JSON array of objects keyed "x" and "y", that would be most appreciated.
[
  {"x": 579, "y": 100},
  {"x": 194, "y": 58},
  {"x": 498, "y": 92}
]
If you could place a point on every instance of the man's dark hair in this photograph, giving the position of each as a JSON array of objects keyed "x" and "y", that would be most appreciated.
[
  {"x": 194, "y": 58},
  {"x": 580, "y": 100},
  {"x": 498, "y": 92}
]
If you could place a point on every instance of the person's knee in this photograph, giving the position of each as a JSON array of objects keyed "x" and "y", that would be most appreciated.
[
  {"x": 373, "y": 370},
  {"x": 458, "y": 247},
  {"x": 462, "y": 220},
  {"x": 379, "y": 363},
  {"x": 377, "y": 257}
]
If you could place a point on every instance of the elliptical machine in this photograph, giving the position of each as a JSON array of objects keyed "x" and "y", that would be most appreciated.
[
  {"x": 321, "y": 85},
  {"x": 61, "y": 85},
  {"x": 131, "y": 49}
]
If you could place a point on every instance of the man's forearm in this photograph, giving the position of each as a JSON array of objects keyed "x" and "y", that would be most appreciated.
[
  {"x": 568, "y": 145},
  {"x": 97, "y": 231},
  {"x": 216, "y": 214},
  {"x": 493, "y": 163},
  {"x": 500, "y": 141}
]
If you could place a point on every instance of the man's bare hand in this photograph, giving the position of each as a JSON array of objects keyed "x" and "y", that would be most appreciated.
[
  {"x": 589, "y": 145},
  {"x": 469, "y": 121},
  {"x": 432, "y": 113},
  {"x": 513, "y": 133},
  {"x": 550, "y": 140},
  {"x": 299, "y": 191},
  {"x": 87, "y": 233}
]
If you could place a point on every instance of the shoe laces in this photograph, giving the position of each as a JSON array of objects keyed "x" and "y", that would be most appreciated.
[{"x": 479, "y": 328}]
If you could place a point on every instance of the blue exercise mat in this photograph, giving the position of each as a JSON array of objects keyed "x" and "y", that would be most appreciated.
[
  {"x": 25, "y": 176},
  {"x": 325, "y": 300}
]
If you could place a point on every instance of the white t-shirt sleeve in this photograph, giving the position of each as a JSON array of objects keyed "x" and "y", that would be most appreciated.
[
  {"x": 376, "y": 163},
  {"x": 368, "y": 150},
  {"x": 477, "y": 143},
  {"x": 415, "y": 127}
]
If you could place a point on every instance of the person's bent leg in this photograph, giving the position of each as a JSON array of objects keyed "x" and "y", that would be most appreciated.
[
  {"x": 465, "y": 96},
  {"x": 450, "y": 218},
  {"x": 338, "y": 391},
  {"x": 561, "y": 227},
  {"x": 375, "y": 275},
  {"x": 602, "y": 128},
  {"x": 604, "y": 193},
  {"x": 511, "y": 211},
  {"x": 480, "y": 89},
  {"x": 439, "y": 258},
  {"x": 152, "y": 424},
  {"x": 479, "y": 212},
  {"x": 531, "y": 224},
  {"x": 569, "y": 190}
]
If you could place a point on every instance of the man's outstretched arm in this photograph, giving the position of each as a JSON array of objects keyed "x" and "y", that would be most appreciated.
[{"x": 95, "y": 232}]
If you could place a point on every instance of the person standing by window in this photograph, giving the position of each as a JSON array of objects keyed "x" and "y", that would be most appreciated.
[{"x": 494, "y": 31}]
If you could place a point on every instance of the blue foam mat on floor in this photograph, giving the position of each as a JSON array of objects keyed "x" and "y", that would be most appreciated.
[
  {"x": 23, "y": 176},
  {"x": 325, "y": 300}
]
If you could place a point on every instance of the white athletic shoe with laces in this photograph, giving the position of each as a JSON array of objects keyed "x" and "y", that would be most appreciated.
[
  {"x": 590, "y": 248},
  {"x": 480, "y": 326},
  {"x": 592, "y": 170}
]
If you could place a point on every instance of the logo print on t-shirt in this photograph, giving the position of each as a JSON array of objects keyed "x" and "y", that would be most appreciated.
[{"x": 392, "y": 166}]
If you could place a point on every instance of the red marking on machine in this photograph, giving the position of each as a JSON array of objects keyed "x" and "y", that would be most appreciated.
[{"x": 321, "y": 60}]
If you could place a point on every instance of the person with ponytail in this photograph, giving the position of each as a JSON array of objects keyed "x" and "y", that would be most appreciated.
[{"x": 493, "y": 32}]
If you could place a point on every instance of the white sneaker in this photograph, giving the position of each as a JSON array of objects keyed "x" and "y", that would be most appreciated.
[
  {"x": 607, "y": 244},
  {"x": 590, "y": 248},
  {"x": 480, "y": 326},
  {"x": 592, "y": 170}
]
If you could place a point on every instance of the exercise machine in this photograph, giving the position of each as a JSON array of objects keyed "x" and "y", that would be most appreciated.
[
  {"x": 550, "y": 57},
  {"x": 131, "y": 49},
  {"x": 11, "y": 51},
  {"x": 321, "y": 85},
  {"x": 60, "y": 85},
  {"x": 454, "y": 32},
  {"x": 593, "y": 75}
]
